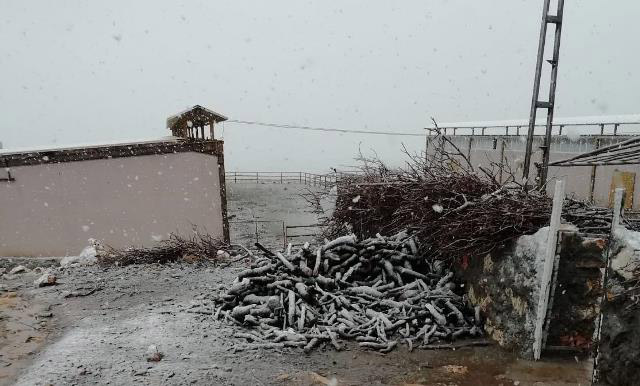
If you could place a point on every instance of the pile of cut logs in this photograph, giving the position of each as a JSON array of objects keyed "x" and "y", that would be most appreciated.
[{"x": 380, "y": 292}]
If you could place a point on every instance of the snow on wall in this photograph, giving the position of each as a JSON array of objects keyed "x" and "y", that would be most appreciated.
[{"x": 53, "y": 209}]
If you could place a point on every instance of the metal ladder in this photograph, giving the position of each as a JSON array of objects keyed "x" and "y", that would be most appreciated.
[{"x": 535, "y": 102}]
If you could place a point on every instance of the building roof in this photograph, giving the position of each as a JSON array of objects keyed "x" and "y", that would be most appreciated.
[{"x": 197, "y": 115}]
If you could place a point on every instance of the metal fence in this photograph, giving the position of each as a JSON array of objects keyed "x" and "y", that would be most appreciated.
[
  {"x": 599, "y": 128},
  {"x": 273, "y": 232},
  {"x": 310, "y": 179},
  {"x": 299, "y": 234}
]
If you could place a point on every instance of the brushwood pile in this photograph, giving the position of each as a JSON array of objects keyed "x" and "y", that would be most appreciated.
[{"x": 380, "y": 292}]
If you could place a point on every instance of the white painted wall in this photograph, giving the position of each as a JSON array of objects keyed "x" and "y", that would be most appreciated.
[{"x": 52, "y": 209}]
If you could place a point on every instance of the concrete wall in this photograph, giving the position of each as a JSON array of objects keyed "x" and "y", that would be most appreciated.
[
  {"x": 52, "y": 209},
  {"x": 578, "y": 178}
]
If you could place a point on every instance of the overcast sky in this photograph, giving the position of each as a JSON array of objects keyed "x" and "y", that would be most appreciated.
[{"x": 89, "y": 71}]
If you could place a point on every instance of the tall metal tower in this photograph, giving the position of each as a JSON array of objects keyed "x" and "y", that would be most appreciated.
[{"x": 549, "y": 104}]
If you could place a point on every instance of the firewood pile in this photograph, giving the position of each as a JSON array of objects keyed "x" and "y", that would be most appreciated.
[{"x": 379, "y": 292}]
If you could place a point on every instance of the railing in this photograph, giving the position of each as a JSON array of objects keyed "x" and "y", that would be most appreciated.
[
  {"x": 598, "y": 128},
  {"x": 288, "y": 235},
  {"x": 310, "y": 179}
]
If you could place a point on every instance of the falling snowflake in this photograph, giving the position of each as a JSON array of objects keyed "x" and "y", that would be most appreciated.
[
  {"x": 437, "y": 208},
  {"x": 356, "y": 199}
]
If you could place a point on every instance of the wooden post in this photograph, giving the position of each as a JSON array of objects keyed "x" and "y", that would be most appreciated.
[
  {"x": 280, "y": 178},
  {"x": 469, "y": 148},
  {"x": 235, "y": 177},
  {"x": 257, "y": 178},
  {"x": 547, "y": 273},
  {"x": 502, "y": 146},
  {"x": 211, "y": 129},
  {"x": 284, "y": 234},
  {"x": 618, "y": 206},
  {"x": 592, "y": 180},
  {"x": 300, "y": 177}
]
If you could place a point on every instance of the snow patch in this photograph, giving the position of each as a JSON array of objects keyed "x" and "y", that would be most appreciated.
[
  {"x": 86, "y": 257},
  {"x": 627, "y": 260}
]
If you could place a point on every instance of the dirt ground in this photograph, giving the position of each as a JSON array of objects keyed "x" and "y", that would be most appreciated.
[{"x": 96, "y": 324}]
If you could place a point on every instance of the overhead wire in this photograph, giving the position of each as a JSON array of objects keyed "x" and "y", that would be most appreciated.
[{"x": 352, "y": 131}]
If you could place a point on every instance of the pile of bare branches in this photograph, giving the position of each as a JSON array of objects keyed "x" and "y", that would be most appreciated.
[
  {"x": 454, "y": 208},
  {"x": 380, "y": 292},
  {"x": 198, "y": 247},
  {"x": 592, "y": 219}
]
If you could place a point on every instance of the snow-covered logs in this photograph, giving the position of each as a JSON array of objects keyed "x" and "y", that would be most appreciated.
[{"x": 380, "y": 292}]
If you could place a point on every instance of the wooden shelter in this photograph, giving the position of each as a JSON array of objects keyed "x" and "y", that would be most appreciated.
[{"x": 191, "y": 123}]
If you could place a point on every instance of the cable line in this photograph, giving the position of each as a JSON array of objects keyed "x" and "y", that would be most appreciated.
[{"x": 285, "y": 126}]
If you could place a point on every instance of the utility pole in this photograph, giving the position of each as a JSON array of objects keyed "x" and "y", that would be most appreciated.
[{"x": 549, "y": 104}]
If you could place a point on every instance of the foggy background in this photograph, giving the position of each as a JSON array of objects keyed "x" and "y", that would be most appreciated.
[{"x": 88, "y": 71}]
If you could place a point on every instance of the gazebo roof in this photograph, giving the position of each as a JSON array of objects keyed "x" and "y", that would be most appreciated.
[{"x": 197, "y": 115}]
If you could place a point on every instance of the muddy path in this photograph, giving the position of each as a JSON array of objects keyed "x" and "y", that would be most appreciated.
[{"x": 95, "y": 326}]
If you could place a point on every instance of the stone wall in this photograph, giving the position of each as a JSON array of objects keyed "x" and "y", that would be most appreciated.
[
  {"x": 506, "y": 287},
  {"x": 618, "y": 361}
]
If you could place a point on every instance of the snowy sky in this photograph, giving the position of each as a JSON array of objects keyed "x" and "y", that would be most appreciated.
[{"x": 89, "y": 71}]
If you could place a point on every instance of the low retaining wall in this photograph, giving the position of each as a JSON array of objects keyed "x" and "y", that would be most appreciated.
[
  {"x": 618, "y": 360},
  {"x": 506, "y": 287}
]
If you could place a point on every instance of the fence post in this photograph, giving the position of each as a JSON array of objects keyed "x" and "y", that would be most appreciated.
[
  {"x": 592, "y": 180},
  {"x": 618, "y": 205},
  {"x": 280, "y": 178},
  {"x": 235, "y": 177},
  {"x": 284, "y": 235},
  {"x": 547, "y": 273},
  {"x": 502, "y": 146},
  {"x": 257, "y": 177},
  {"x": 300, "y": 177}
]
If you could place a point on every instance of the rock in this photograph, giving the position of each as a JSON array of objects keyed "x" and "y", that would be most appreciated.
[
  {"x": 223, "y": 254},
  {"x": 18, "y": 269},
  {"x": 45, "y": 280},
  {"x": 153, "y": 355}
]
